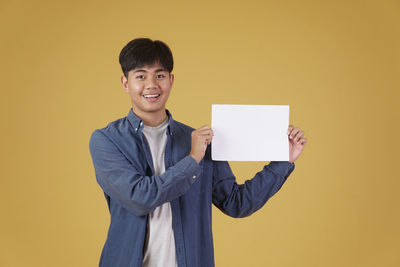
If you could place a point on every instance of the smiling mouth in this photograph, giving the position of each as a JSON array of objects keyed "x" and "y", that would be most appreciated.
[{"x": 152, "y": 97}]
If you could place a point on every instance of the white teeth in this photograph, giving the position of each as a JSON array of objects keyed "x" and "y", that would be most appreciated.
[{"x": 148, "y": 96}]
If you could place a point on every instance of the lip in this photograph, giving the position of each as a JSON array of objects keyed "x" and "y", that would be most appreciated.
[{"x": 152, "y": 97}]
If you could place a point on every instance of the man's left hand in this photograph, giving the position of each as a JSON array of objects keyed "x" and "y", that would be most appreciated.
[{"x": 297, "y": 141}]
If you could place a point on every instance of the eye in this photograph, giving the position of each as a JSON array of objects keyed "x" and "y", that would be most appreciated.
[
  {"x": 160, "y": 76},
  {"x": 140, "y": 77}
]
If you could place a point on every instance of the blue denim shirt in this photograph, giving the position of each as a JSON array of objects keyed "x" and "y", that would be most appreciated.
[{"x": 124, "y": 170}]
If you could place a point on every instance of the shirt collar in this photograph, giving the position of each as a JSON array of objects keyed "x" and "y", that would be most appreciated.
[{"x": 138, "y": 124}]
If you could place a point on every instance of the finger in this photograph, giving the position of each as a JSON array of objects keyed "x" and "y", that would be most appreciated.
[
  {"x": 203, "y": 127},
  {"x": 204, "y": 130},
  {"x": 202, "y": 139},
  {"x": 200, "y": 133},
  {"x": 294, "y": 132},
  {"x": 209, "y": 137},
  {"x": 204, "y": 133},
  {"x": 290, "y": 128},
  {"x": 303, "y": 141},
  {"x": 298, "y": 136}
]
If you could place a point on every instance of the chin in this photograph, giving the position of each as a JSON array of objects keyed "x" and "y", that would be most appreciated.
[{"x": 154, "y": 109}]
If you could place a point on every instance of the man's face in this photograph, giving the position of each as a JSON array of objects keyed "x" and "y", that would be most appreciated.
[{"x": 149, "y": 88}]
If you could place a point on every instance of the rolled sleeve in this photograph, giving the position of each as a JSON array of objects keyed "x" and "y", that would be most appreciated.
[
  {"x": 138, "y": 193},
  {"x": 244, "y": 199},
  {"x": 281, "y": 168}
]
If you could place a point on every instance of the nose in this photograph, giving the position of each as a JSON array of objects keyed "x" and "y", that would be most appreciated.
[{"x": 151, "y": 83}]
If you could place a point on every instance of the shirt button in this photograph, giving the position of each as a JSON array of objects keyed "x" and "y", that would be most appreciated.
[
  {"x": 141, "y": 123},
  {"x": 194, "y": 176}
]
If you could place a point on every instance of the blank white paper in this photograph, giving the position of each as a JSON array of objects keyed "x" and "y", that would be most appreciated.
[{"x": 250, "y": 132}]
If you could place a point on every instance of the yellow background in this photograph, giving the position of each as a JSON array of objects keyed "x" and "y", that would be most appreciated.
[{"x": 336, "y": 63}]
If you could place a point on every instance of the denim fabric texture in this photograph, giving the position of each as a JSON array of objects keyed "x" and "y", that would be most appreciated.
[{"x": 124, "y": 170}]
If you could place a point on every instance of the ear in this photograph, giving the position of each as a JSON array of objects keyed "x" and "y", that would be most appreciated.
[
  {"x": 124, "y": 82},
  {"x": 172, "y": 78}
]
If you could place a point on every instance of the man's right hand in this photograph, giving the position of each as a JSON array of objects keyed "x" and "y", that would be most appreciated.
[{"x": 201, "y": 138}]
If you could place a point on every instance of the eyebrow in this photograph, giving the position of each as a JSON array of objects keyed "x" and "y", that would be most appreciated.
[{"x": 141, "y": 70}]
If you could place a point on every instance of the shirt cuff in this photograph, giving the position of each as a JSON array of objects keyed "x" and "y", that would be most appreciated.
[
  {"x": 190, "y": 168},
  {"x": 283, "y": 168}
]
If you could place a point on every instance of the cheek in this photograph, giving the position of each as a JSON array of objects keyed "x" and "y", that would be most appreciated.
[
  {"x": 166, "y": 88},
  {"x": 135, "y": 89}
]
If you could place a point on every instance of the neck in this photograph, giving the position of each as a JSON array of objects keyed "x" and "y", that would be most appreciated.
[{"x": 151, "y": 119}]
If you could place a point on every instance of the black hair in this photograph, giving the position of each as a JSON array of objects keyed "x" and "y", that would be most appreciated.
[{"x": 145, "y": 52}]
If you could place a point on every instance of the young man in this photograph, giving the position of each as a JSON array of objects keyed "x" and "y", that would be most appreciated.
[{"x": 158, "y": 177}]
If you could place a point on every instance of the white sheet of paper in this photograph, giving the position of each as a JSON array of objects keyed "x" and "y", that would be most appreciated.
[{"x": 250, "y": 132}]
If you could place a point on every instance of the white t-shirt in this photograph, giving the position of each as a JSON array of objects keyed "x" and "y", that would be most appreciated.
[{"x": 160, "y": 243}]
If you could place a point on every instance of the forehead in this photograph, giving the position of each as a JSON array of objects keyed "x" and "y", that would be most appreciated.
[{"x": 155, "y": 67}]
